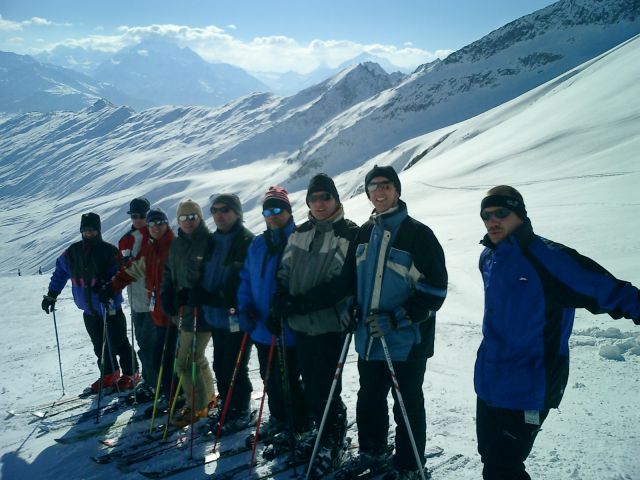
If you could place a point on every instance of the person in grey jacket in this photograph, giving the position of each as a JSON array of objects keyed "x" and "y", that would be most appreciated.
[
  {"x": 315, "y": 253},
  {"x": 183, "y": 272}
]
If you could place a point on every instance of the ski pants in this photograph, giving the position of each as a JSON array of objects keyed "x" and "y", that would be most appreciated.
[
  {"x": 318, "y": 356},
  {"x": 505, "y": 440},
  {"x": 226, "y": 346},
  {"x": 204, "y": 388},
  {"x": 168, "y": 335},
  {"x": 145, "y": 338},
  {"x": 275, "y": 391},
  {"x": 372, "y": 413},
  {"x": 117, "y": 342}
]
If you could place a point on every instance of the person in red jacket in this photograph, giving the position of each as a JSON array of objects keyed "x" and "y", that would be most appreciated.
[{"x": 148, "y": 267}]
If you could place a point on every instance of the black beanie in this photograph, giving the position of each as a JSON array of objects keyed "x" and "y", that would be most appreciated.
[
  {"x": 90, "y": 220},
  {"x": 387, "y": 172},
  {"x": 231, "y": 200},
  {"x": 322, "y": 183},
  {"x": 516, "y": 205},
  {"x": 139, "y": 205}
]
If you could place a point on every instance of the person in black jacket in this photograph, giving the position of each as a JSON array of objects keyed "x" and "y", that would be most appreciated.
[{"x": 532, "y": 287}]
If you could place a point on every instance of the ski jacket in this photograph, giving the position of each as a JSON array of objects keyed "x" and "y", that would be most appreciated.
[
  {"x": 532, "y": 286},
  {"x": 258, "y": 281},
  {"x": 400, "y": 267},
  {"x": 183, "y": 270},
  {"x": 130, "y": 246},
  {"x": 88, "y": 263},
  {"x": 148, "y": 266},
  {"x": 315, "y": 254},
  {"x": 222, "y": 266}
]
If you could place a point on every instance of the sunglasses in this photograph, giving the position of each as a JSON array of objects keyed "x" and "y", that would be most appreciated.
[
  {"x": 137, "y": 216},
  {"x": 499, "y": 214},
  {"x": 268, "y": 212},
  {"x": 191, "y": 217},
  {"x": 224, "y": 209},
  {"x": 157, "y": 223},
  {"x": 373, "y": 186},
  {"x": 319, "y": 197},
  {"x": 87, "y": 229}
]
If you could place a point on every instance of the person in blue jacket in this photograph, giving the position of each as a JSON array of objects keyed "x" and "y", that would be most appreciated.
[
  {"x": 257, "y": 287},
  {"x": 532, "y": 288},
  {"x": 88, "y": 264}
]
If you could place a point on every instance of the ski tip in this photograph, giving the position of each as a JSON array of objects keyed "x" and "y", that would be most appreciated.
[
  {"x": 433, "y": 451},
  {"x": 10, "y": 413}
]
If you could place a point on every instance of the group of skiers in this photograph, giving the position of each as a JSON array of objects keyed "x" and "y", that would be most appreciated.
[{"x": 302, "y": 291}]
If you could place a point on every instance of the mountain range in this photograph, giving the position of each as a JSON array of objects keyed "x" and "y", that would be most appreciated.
[{"x": 56, "y": 165}]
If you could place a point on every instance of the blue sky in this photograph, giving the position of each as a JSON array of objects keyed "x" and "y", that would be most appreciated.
[{"x": 265, "y": 35}]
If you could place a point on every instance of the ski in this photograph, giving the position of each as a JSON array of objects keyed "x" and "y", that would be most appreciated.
[
  {"x": 82, "y": 417},
  {"x": 46, "y": 407},
  {"x": 105, "y": 426},
  {"x": 140, "y": 445}
]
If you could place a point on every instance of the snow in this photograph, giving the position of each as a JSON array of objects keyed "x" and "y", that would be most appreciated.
[{"x": 570, "y": 146}]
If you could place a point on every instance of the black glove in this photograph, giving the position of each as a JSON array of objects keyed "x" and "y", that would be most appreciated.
[
  {"x": 168, "y": 303},
  {"x": 183, "y": 297},
  {"x": 350, "y": 319},
  {"x": 105, "y": 294},
  {"x": 49, "y": 301},
  {"x": 198, "y": 296},
  {"x": 282, "y": 305},
  {"x": 274, "y": 325}
]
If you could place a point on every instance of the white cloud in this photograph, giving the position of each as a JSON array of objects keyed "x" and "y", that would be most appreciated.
[
  {"x": 15, "y": 40},
  {"x": 10, "y": 25},
  {"x": 231, "y": 26}
]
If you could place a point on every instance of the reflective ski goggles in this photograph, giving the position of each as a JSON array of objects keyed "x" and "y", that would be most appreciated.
[
  {"x": 268, "y": 212},
  {"x": 319, "y": 197},
  {"x": 157, "y": 223},
  {"x": 224, "y": 209},
  {"x": 190, "y": 217},
  {"x": 500, "y": 213},
  {"x": 384, "y": 185}
]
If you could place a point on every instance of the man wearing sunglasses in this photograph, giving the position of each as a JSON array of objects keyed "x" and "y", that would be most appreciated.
[
  {"x": 532, "y": 288},
  {"x": 315, "y": 255},
  {"x": 148, "y": 266},
  {"x": 129, "y": 246},
  {"x": 217, "y": 295},
  {"x": 182, "y": 273},
  {"x": 88, "y": 263},
  {"x": 257, "y": 286}
]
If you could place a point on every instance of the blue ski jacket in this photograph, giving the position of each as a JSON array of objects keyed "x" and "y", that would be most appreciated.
[
  {"x": 86, "y": 263},
  {"x": 258, "y": 282},
  {"x": 532, "y": 287}
]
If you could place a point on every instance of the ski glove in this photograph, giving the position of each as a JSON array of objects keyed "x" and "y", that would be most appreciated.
[
  {"x": 183, "y": 296},
  {"x": 274, "y": 325},
  {"x": 381, "y": 323},
  {"x": 49, "y": 301},
  {"x": 282, "y": 305},
  {"x": 247, "y": 321},
  {"x": 105, "y": 294}
]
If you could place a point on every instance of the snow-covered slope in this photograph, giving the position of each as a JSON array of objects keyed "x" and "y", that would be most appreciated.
[{"x": 570, "y": 146}]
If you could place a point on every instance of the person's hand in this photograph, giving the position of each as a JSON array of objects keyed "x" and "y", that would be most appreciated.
[
  {"x": 350, "y": 319},
  {"x": 281, "y": 305},
  {"x": 382, "y": 323},
  {"x": 274, "y": 325},
  {"x": 48, "y": 302},
  {"x": 105, "y": 294},
  {"x": 198, "y": 296},
  {"x": 183, "y": 297}
]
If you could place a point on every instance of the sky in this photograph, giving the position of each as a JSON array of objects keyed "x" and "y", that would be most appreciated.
[{"x": 262, "y": 35}]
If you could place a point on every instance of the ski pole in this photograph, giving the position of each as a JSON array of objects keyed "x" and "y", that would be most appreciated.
[
  {"x": 133, "y": 357},
  {"x": 286, "y": 390},
  {"x": 193, "y": 378},
  {"x": 401, "y": 403},
  {"x": 336, "y": 377},
  {"x": 173, "y": 392},
  {"x": 227, "y": 400},
  {"x": 159, "y": 381},
  {"x": 55, "y": 326},
  {"x": 104, "y": 342},
  {"x": 264, "y": 394}
]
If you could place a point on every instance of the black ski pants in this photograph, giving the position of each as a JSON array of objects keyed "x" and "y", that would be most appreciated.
[
  {"x": 318, "y": 356},
  {"x": 276, "y": 390},
  {"x": 117, "y": 342},
  {"x": 226, "y": 346},
  {"x": 168, "y": 335},
  {"x": 505, "y": 440},
  {"x": 372, "y": 413}
]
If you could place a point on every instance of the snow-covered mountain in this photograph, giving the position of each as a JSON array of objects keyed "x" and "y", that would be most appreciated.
[
  {"x": 31, "y": 86},
  {"x": 162, "y": 73},
  {"x": 84, "y": 60},
  {"x": 55, "y": 166}
]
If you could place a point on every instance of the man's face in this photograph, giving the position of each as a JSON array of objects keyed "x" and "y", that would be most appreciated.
[
  {"x": 223, "y": 216},
  {"x": 382, "y": 194},
  {"x": 138, "y": 221},
  {"x": 89, "y": 233},
  {"x": 500, "y": 222},
  {"x": 157, "y": 229},
  {"x": 322, "y": 205},
  {"x": 188, "y": 223},
  {"x": 276, "y": 220}
]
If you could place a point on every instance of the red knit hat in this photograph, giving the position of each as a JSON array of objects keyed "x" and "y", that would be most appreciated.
[{"x": 276, "y": 196}]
